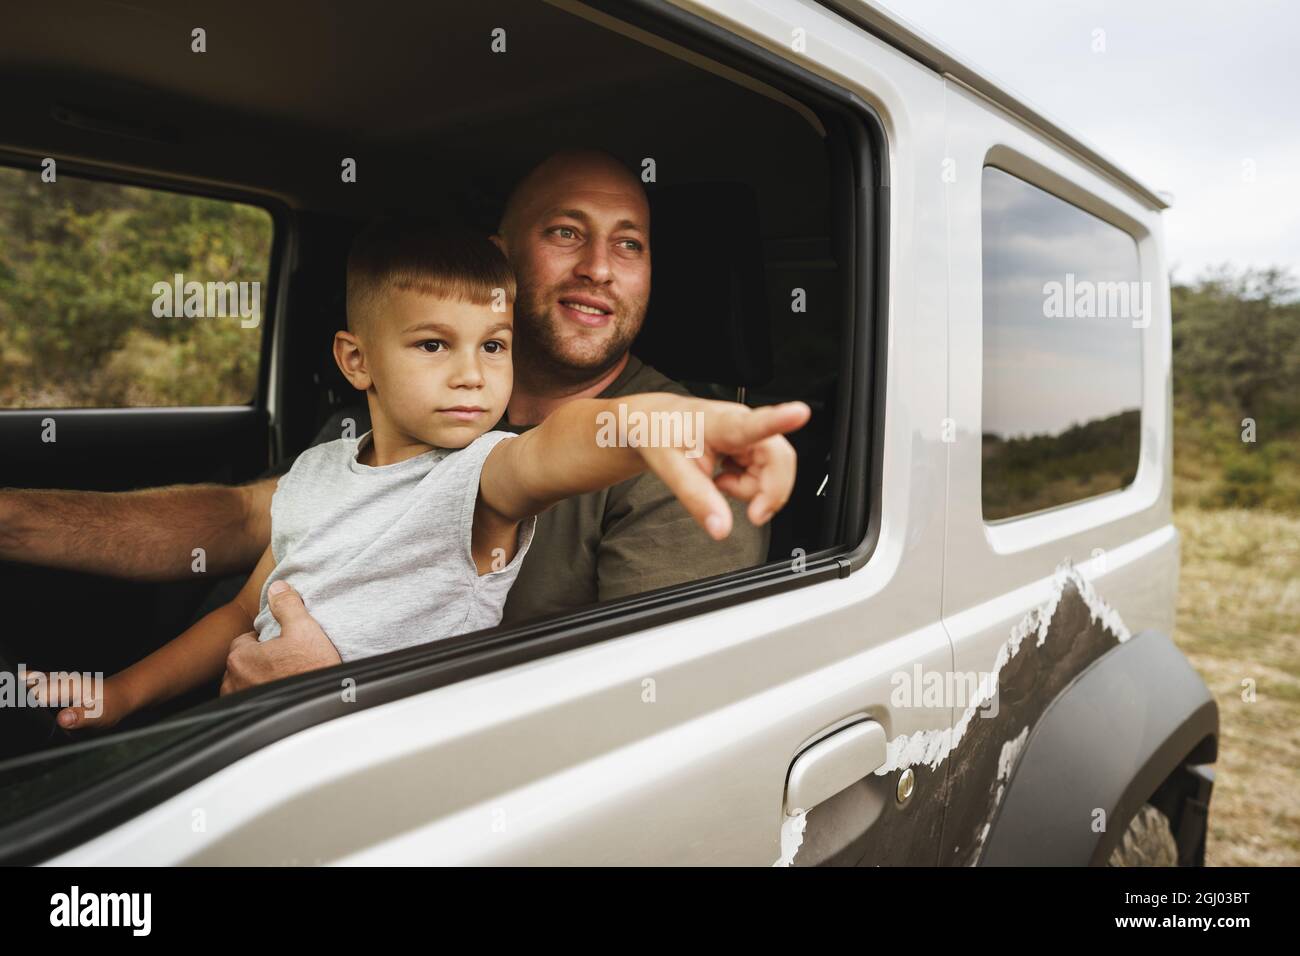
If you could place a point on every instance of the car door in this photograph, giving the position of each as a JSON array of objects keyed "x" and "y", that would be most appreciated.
[
  {"x": 1059, "y": 542},
  {"x": 769, "y": 716}
]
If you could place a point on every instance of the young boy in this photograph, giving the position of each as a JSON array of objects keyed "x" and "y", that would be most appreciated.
[{"x": 416, "y": 530}]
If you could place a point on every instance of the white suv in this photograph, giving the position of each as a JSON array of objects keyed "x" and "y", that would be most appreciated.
[{"x": 959, "y": 649}]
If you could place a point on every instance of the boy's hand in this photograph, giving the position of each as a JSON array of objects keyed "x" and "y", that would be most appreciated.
[
  {"x": 736, "y": 450},
  {"x": 96, "y": 707}
]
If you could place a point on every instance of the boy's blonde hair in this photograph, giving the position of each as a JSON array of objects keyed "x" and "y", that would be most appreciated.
[{"x": 415, "y": 256}]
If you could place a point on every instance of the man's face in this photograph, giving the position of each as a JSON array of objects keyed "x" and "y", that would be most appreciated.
[
  {"x": 580, "y": 248},
  {"x": 440, "y": 368}
]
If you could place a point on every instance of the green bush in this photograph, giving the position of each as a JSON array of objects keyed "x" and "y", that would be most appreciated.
[
  {"x": 77, "y": 268},
  {"x": 1236, "y": 356}
]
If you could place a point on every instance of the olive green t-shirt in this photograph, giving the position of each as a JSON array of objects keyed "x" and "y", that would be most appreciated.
[{"x": 631, "y": 537}]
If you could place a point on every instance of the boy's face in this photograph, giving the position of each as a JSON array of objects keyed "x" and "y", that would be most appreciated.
[{"x": 437, "y": 371}]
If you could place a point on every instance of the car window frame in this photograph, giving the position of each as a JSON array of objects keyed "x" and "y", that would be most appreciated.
[{"x": 281, "y": 228}]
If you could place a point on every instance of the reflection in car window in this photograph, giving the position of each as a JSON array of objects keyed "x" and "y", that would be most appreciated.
[{"x": 1064, "y": 309}]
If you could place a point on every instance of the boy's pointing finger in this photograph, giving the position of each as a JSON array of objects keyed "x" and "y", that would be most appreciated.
[
  {"x": 743, "y": 429},
  {"x": 693, "y": 489}
]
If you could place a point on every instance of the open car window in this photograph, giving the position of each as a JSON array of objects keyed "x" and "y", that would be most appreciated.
[{"x": 116, "y": 296}]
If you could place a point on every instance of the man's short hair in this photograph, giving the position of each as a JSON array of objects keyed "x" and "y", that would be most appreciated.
[{"x": 415, "y": 256}]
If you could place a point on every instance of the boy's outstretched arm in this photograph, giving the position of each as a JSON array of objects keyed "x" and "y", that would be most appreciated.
[
  {"x": 572, "y": 453},
  {"x": 195, "y": 657}
]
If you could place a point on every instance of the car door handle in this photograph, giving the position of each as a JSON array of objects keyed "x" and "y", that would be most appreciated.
[{"x": 834, "y": 763}]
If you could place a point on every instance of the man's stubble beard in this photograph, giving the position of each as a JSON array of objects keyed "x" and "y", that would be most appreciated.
[{"x": 546, "y": 361}]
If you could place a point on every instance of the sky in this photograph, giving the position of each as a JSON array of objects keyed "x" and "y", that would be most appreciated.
[{"x": 1195, "y": 98}]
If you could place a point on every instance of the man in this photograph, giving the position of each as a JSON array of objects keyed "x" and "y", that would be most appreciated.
[{"x": 577, "y": 233}]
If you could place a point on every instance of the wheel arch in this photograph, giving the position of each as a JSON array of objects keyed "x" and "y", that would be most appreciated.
[{"x": 1138, "y": 725}]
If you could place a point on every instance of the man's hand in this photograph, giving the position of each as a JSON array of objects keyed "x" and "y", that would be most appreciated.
[
  {"x": 302, "y": 646},
  {"x": 740, "y": 451}
]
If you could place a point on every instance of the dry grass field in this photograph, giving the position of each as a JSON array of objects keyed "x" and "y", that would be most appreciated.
[{"x": 1239, "y": 622}]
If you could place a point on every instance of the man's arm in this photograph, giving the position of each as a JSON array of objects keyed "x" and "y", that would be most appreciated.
[{"x": 147, "y": 535}]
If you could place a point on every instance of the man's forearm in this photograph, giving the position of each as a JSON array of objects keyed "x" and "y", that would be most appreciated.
[{"x": 148, "y": 535}]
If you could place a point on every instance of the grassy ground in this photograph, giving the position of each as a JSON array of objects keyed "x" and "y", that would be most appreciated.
[{"x": 1239, "y": 620}]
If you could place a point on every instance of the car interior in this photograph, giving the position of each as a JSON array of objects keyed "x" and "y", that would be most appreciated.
[{"x": 443, "y": 107}]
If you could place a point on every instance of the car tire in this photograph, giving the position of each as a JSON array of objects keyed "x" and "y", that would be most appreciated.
[{"x": 1148, "y": 841}]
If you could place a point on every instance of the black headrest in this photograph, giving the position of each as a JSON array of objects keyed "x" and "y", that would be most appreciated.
[
  {"x": 707, "y": 320},
  {"x": 318, "y": 293}
]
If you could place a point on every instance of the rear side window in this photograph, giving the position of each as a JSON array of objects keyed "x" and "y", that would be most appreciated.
[
  {"x": 1063, "y": 312},
  {"x": 114, "y": 296}
]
